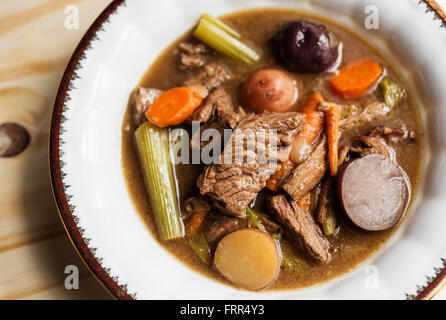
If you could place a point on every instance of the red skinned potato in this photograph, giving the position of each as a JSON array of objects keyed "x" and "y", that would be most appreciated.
[
  {"x": 269, "y": 90},
  {"x": 249, "y": 258},
  {"x": 374, "y": 192}
]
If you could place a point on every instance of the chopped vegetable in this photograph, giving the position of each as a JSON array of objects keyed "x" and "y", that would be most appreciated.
[
  {"x": 221, "y": 25},
  {"x": 153, "y": 148},
  {"x": 173, "y": 107},
  {"x": 259, "y": 221},
  {"x": 332, "y": 118},
  {"x": 200, "y": 246},
  {"x": 315, "y": 197},
  {"x": 354, "y": 80},
  {"x": 255, "y": 219},
  {"x": 218, "y": 36},
  {"x": 269, "y": 90},
  {"x": 314, "y": 124},
  {"x": 392, "y": 92},
  {"x": 196, "y": 221},
  {"x": 305, "y": 202},
  {"x": 330, "y": 225},
  {"x": 274, "y": 183},
  {"x": 374, "y": 192},
  {"x": 304, "y": 47},
  {"x": 347, "y": 110},
  {"x": 250, "y": 258}
]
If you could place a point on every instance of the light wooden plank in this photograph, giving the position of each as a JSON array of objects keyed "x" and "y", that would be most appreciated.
[
  {"x": 34, "y": 50},
  {"x": 34, "y": 250},
  {"x": 37, "y": 267}
]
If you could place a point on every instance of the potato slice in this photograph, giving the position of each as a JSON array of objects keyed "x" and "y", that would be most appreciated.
[{"x": 250, "y": 258}]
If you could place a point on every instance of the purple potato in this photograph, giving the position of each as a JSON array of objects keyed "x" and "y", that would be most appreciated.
[{"x": 305, "y": 47}]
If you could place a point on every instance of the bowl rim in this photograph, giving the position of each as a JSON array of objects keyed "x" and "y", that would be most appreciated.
[{"x": 110, "y": 284}]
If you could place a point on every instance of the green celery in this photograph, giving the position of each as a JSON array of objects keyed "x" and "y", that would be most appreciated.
[
  {"x": 392, "y": 92},
  {"x": 330, "y": 225},
  {"x": 216, "y": 37},
  {"x": 152, "y": 143},
  {"x": 200, "y": 246},
  {"x": 221, "y": 25}
]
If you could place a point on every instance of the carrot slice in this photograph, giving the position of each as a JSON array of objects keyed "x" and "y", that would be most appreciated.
[
  {"x": 354, "y": 80},
  {"x": 305, "y": 202},
  {"x": 173, "y": 107},
  {"x": 332, "y": 118}
]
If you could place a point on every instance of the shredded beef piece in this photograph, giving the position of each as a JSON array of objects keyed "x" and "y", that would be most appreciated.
[
  {"x": 192, "y": 55},
  {"x": 307, "y": 175},
  {"x": 216, "y": 112},
  {"x": 218, "y": 104},
  {"x": 300, "y": 227},
  {"x": 211, "y": 75}
]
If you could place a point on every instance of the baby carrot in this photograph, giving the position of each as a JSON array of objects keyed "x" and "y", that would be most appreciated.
[
  {"x": 312, "y": 129},
  {"x": 195, "y": 221},
  {"x": 354, "y": 80},
  {"x": 332, "y": 118},
  {"x": 173, "y": 107},
  {"x": 314, "y": 118}
]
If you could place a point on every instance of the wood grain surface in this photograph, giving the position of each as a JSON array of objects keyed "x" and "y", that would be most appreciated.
[{"x": 35, "y": 47}]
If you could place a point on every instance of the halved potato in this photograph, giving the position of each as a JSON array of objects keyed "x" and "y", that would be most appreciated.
[{"x": 250, "y": 258}]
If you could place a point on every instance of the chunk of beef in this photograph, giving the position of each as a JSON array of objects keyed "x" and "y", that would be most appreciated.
[
  {"x": 142, "y": 99},
  {"x": 216, "y": 112},
  {"x": 249, "y": 159},
  {"x": 218, "y": 105},
  {"x": 192, "y": 55},
  {"x": 375, "y": 141},
  {"x": 376, "y": 144},
  {"x": 354, "y": 118},
  {"x": 210, "y": 76},
  {"x": 217, "y": 225},
  {"x": 394, "y": 134},
  {"x": 189, "y": 61},
  {"x": 196, "y": 204},
  {"x": 193, "y": 48},
  {"x": 307, "y": 175},
  {"x": 214, "y": 123},
  {"x": 300, "y": 227}
]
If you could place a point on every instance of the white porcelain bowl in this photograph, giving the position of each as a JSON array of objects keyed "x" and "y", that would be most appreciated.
[{"x": 85, "y": 151}]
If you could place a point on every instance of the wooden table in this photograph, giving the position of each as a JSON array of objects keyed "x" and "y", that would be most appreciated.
[{"x": 35, "y": 47}]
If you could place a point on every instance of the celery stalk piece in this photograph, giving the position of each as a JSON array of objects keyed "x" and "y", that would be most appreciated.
[
  {"x": 330, "y": 225},
  {"x": 221, "y": 25},
  {"x": 254, "y": 219},
  {"x": 152, "y": 143},
  {"x": 223, "y": 42},
  {"x": 199, "y": 244}
]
